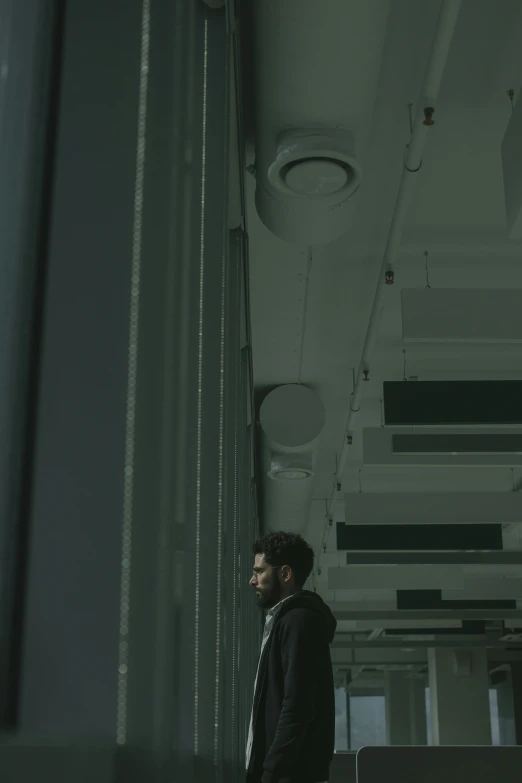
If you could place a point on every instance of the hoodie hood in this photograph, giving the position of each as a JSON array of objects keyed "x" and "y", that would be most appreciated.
[{"x": 308, "y": 600}]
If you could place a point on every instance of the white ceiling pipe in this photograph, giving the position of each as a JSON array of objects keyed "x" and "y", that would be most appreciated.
[
  {"x": 313, "y": 113},
  {"x": 439, "y": 53},
  {"x": 292, "y": 419}
]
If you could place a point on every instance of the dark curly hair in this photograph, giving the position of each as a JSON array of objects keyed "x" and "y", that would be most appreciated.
[{"x": 289, "y": 549}]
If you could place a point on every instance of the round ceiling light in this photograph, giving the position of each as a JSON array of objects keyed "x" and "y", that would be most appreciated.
[
  {"x": 291, "y": 474},
  {"x": 316, "y": 176},
  {"x": 313, "y": 166}
]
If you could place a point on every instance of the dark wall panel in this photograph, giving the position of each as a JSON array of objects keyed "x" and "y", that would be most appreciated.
[
  {"x": 71, "y": 624},
  {"x": 416, "y": 537},
  {"x": 458, "y": 443},
  {"x": 452, "y": 402}
]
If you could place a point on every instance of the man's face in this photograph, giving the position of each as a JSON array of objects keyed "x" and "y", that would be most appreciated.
[{"x": 265, "y": 582}]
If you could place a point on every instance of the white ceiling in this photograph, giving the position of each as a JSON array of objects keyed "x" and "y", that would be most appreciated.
[{"x": 457, "y": 215}]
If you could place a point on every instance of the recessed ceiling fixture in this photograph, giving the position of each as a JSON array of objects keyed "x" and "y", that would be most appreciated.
[
  {"x": 305, "y": 181},
  {"x": 315, "y": 165},
  {"x": 289, "y": 474},
  {"x": 317, "y": 176}
]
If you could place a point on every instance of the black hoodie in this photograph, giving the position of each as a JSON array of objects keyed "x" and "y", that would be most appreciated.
[{"x": 294, "y": 702}]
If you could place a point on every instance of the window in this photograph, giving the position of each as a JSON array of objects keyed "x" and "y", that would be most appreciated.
[
  {"x": 502, "y": 726},
  {"x": 367, "y": 720},
  {"x": 341, "y": 720}
]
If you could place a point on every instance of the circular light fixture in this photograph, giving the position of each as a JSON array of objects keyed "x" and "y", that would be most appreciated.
[
  {"x": 315, "y": 165},
  {"x": 316, "y": 176},
  {"x": 290, "y": 474}
]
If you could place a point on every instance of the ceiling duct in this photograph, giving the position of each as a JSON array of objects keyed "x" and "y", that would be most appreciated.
[
  {"x": 304, "y": 182},
  {"x": 311, "y": 105},
  {"x": 292, "y": 419}
]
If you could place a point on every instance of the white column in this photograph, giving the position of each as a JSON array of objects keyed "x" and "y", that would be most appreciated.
[
  {"x": 459, "y": 695},
  {"x": 418, "y": 727},
  {"x": 397, "y": 705}
]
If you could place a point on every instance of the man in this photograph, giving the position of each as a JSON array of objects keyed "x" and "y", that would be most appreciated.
[{"x": 292, "y": 726}]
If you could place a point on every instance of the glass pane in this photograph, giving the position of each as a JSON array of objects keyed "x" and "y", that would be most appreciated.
[
  {"x": 367, "y": 721},
  {"x": 498, "y": 736},
  {"x": 505, "y": 711},
  {"x": 341, "y": 724}
]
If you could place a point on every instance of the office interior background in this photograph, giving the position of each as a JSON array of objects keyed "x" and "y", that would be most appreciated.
[{"x": 260, "y": 269}]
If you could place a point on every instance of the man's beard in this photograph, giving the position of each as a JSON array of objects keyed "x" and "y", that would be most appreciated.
[{"x": 270, "y": 595}]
